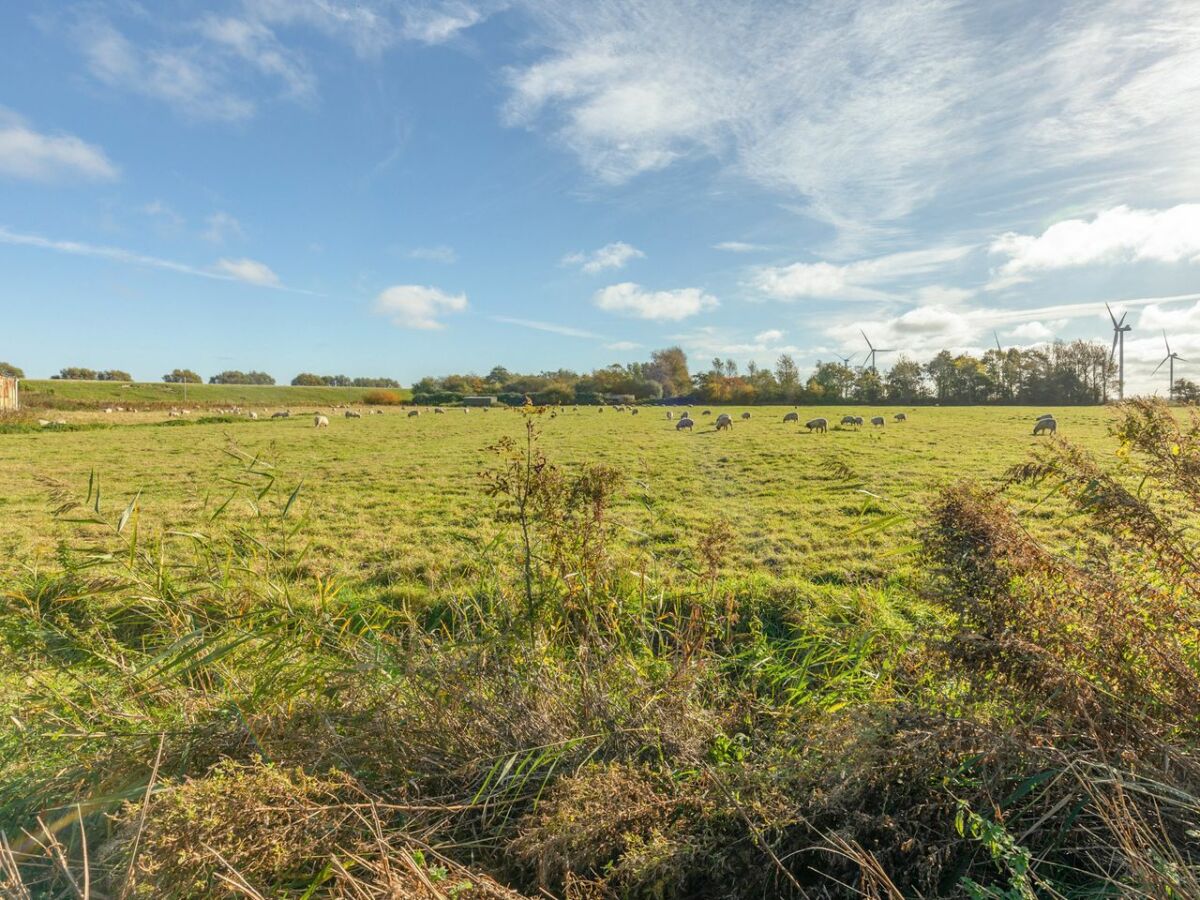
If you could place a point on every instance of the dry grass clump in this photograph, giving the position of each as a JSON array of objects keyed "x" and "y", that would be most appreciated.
[{"x": 265, "y": 831}]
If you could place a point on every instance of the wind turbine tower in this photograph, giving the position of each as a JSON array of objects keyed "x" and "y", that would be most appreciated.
[
  {"x": 1169, "y": 360},
  {"x": 1119, "y": 329},
  {"x": 872, "y": 350}
]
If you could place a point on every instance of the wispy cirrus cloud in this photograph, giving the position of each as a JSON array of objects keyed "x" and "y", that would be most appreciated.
[
  {"x": 247, "y": 271},
  {"x": 33, "y": 155},
  {"x": 611, "y": 256},
  {"x": 868, "y": 110},
  {"x": 549, "y": 327}
]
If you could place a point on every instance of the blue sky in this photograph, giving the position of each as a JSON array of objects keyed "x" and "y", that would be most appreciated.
[{"x": 393, "y": 188}]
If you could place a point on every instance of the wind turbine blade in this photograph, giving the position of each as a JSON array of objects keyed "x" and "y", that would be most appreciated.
[
  {"x": 1160, "y": 365},
  {"x": 1111, "y": 316},
  {"x": 865, "y": 338},
  {"x": 1122, "y": 322},
  {"x": 1112, "y": 353},
  {"x": 1165, "y": 341},
  {"x": 997, "y": 337},
  {"x": 1180, "y": 359}
]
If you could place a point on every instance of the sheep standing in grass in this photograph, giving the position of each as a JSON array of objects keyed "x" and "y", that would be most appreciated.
[
  {"x": 282, "y": 414},
  {"x": 847, "y": 420},
  {"x": 412, "y": 413},
  {"x": 683, "y": 423},
  {"x": 877, "y": 421},
  {"x": 724, "y": 422},
  {"x": 858, "y": 420},
  {"x": 670, "y": 415},
  {"x": 791, "y": 417},
  {"x": 1046, "y": 424},
  {"x": 821, "y": 425},
  {"x": 352, "y": 414},
  {"x": 633, "y": 412},
  {"x": 707, "y": 412},
  {"x": 438, "y": 411},
  {"x": 900, "y": 417},
  {"x": 253, "y": 414},
  {"x": 320, "y": 421}
]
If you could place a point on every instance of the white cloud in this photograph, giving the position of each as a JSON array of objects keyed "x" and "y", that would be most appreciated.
[
  {"x": 610, "y": 256},
  {"x": 1118, "y": 235},
  {"x": 708, "y": 341},
  {"x": 550, "y": 327},
  {"x": 941, "y": 295},
  {"x": 622, "y": 346},
  {"x": 221, "y": 225},
  {"x": 224, "y": 270},
  {"x": 1038, "y": 330},
  {"x": 770, "y": 336},
  {"x": 248, "y": 270},
  {"x": 861, "y": 280},
  {"x": 373, "y": 26},
  {"x": 440, "y": 253},
  {"x": 34, "y": 156},
  {"x": 418, "y": 306},
  {"x": 632, "y": 299},
  {"x": 737, "y": 247},
  {"x": 870, "y": 110},
  {"x": 164, "y": 214},
  {"x": 184, "y": 77},
  {"x": 255, "y": 43}
]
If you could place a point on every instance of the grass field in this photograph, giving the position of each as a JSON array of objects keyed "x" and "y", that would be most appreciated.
[
  {"x": 51, "y": 394},
  {"x": 404, "y": 493},
  {"x": 326, "y": 662}
]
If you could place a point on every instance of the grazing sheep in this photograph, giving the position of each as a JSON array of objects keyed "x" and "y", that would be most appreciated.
[
  {"x": 283, "y": 414},
  {"x": 900, "y": 417},
  {"x": 353, "y": 414},
  {"x": 320, "y": 421},
  {"x": 821, "y": 425},
  {"x": 683, "y": 423},
  {"x": 253, "y": 414},
  {"x": 413, "y": 412},
  {"x": 707, "y": 412},
  {"x": 723, "y": 422},
  {"x": 1045, "y": 416},
  {"x": 185, "y": 412},
  {"x": 43, "y": 422},
  {"x": 847, "y": 420},
  {"x": 745, "y": 416},
  {"x": 670, "y": 415},
  {"x": 466, "y": 411},
  {"x": 877, "y": 421},
  {"x": 108, "y": 411},
  {"x": 1047, "y": 424},
  {"x": 59, "y": 422},
  {"x": 858, "y": 420},
  {"x": 792, "y": 417},
  {"x": 633, "y": 412},
  {"x": 438, "y": 411}
]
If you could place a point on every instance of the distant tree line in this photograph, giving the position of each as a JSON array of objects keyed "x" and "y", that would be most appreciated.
[
  {"x": 308, "y": 379},
  {"x": 233, "y": 376},
  {"x": 78, "y": 373},
  {"x": 1078, "y": 372}
]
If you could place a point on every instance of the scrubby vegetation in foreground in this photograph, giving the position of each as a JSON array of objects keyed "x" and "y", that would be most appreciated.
[{"x": 194, "y": 714}]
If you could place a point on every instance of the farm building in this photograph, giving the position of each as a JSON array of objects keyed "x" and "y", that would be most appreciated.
[
  {"x": 480, "y": 401},
  {"x": 10, "y": 399},
  {"x": 627, "y": 399}
]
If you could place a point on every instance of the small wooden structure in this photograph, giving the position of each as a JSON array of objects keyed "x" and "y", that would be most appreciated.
[
  {"x": 480, "y": 401},
  {"x": 10, "y": 398}
]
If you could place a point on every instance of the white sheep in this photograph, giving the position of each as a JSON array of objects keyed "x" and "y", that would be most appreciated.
[
  {"x": 683, "y": 423},
  {"x": 745, "y": 416},
  {"x": 821, "y": 425},
  {"x": 413, "y": 413},
  {"x": 877, "y": 421},
  {"x": 353, "y": 414},
  {"x": 724, "y": 422},
  {"x": 253, "y": 414},
  {"x": 791, "y": 417},
  {"x": 900, "y": 417},
  {"x": 438, "y": 411},
  {"x": 848, "y": 420},
  {"x": 320, "y": 421},
  {"x": 670, "y": 415},
  {"x": 858, "y": 420},
  {"x": 1046, "y": 424},
  {"x": 633, "y": 412}
]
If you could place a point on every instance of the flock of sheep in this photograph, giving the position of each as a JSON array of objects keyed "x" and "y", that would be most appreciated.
[{"x": 724, "y": 421}]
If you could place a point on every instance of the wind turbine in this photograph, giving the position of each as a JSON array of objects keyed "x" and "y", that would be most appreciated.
[
  {"x": 1169, "y": 358},
  {"x": 1119, "y": 329},
  {"x": 846, "y": 359},
  {"x": 1000, "y": 362},
  {"x": 873, "y": 350}
]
